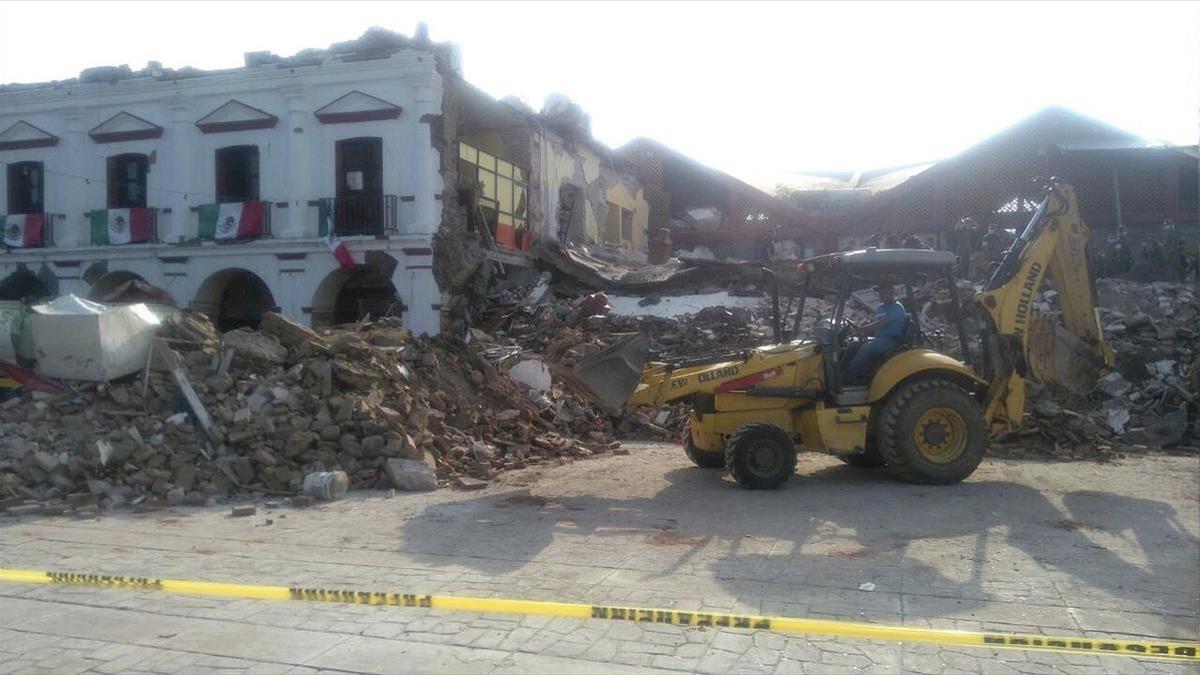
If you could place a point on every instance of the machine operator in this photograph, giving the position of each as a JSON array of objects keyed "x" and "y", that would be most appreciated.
[{"x": 886, "y": 333}]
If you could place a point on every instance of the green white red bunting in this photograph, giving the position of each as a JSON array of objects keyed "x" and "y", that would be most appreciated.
[
  {"x": 24, "y": 230},
  {"x": 121, "y": 226},
  {"x": 238, "y": 220}
]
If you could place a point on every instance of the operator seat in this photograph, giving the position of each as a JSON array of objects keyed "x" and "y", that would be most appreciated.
[{"x": 911, "y": 338}]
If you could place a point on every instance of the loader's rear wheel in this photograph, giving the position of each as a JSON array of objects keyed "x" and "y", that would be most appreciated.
[
  {"x": 931, "y": 432},
  {"x": 760, "y": 456},
  {"x": 702, "y": 459},
  {"x": 867, "y": 459}
]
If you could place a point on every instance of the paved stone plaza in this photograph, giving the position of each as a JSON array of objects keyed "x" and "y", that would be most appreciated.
[{"x": 1074, "y": 549}]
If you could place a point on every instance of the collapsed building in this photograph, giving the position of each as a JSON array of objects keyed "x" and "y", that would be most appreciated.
[
  {"x": 227, "y": 189},
  {"x": 1121, "y": 180},
  {"x": 693, "y": 205}
]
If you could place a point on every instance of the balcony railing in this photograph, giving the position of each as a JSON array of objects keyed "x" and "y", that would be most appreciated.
[
  {"x": 31, "y": 230},
  {"x": 358, "y": 215}
]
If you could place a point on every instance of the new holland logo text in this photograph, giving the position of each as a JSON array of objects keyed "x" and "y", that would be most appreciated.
[
  {"x": 727, "y": 371},
  {"x": 1025, "y": 300}
]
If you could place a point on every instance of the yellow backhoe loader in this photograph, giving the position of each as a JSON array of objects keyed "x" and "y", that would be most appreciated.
[{"x": 925, "y": 416}]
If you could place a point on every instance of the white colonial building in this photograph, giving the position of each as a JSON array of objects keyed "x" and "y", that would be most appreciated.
[{"x": 344, "y": 137}]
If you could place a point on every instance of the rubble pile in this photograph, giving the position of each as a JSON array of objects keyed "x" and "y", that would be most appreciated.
[
  {"x": 1149, "y": 401},
  {"x": 282, "y": 402},
  {"x": 256, "y": 411},
  {"x": 550, "y": 333},
  {"x": 710, "y": 331},
  {"x": 1153, "y": 329}
]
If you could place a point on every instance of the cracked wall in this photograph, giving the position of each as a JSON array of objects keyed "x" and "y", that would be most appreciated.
[{"x": 603, "y": 182}]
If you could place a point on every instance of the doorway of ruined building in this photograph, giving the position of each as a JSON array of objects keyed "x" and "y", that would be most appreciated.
[
  {"x": 570, "y": 216},
  {"x": 346, "y": 296},
  {"x": 234, "y": 298}
]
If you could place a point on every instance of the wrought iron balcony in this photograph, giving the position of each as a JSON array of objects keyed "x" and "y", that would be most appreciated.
[{"x": 358, "y": 215}]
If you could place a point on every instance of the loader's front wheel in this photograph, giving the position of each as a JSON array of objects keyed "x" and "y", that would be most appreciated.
[
  {"x": 931, "y": 431},
  {"x": 702, "y": 459},
  {"x": 760, "y": 456}
]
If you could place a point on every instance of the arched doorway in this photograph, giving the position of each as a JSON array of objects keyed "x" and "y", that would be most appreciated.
[
  {"x": 23, "y": 285},
  {"x": 348, "y": 296},
  {"x": 234, "y": 298}
]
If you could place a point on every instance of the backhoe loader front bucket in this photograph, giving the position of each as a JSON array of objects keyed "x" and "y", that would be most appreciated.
[
  {"x": 1057, "y": 357},
  {"x": 611, "y": 374}
]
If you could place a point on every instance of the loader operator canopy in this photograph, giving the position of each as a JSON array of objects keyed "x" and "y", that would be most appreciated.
[{"x": 845, "y": 284}]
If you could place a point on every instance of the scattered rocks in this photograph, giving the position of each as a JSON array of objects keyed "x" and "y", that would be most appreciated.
[
  {"x": 1150, "y": 399},
  {"x": 411, "y": 475},
  {"x": 284, "y": 402}
]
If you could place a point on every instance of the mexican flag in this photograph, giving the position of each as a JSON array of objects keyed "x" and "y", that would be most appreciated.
[
  {"x": 121, "y": 226},
  {"x": 338, "y": 248},
  {"x": 24, "y": 230},
  {"x": 237, "y": 220}
]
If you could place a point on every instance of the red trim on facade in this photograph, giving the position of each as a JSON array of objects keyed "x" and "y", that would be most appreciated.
[
  {"x": 118, "y": 136},
  {"x": 362, "y": 116},
  {"x": 386, "y": 111},
  {"x": 48, "y": 142},
  {"x": 127, "y": 136},
  {"x": 32, "y": 143},
  {"x": 244, "y": 125}
]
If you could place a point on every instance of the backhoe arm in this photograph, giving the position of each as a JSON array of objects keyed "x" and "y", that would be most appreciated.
[
  {"x": 662, "y": 384},
  {"x": 1019, "y": 342}
]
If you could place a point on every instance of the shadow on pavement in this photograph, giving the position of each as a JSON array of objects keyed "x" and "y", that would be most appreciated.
[{"x": 830, "y": 527}]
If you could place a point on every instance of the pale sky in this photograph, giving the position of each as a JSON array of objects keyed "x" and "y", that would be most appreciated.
[{"x": 758, "y": 90}]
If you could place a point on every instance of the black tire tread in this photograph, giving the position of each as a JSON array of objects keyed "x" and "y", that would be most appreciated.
[
  {"x": 891, "y": 436},
  {"x": 752, "y": 429}
]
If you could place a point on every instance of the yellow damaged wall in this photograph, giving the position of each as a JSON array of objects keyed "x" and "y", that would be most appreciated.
[
  {"x": 600, "y": 183},
  {"x": 620, "y": 195}
]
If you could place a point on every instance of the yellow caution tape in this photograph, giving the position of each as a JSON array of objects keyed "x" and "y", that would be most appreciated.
[{"x": 1159, "y": 649}]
